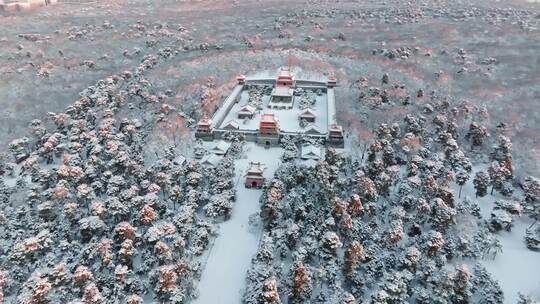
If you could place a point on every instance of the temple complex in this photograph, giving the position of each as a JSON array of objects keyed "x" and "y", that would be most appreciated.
[{"x": 264, "y": 110}]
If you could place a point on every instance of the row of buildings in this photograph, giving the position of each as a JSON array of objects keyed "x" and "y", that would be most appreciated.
[{"x": 280, "y": 115}]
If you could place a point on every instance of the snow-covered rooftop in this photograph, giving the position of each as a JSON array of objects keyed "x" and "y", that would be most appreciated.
[
  {"x": 221, "y": 147},
  {"x": 312, "y": 129},
  {"x": 311, "y": 152},
  {"x": 232, "y": 124},
  {"x": 308, "y": 113},
  {"x": 211, "y": 160},
  {"x": 288, "y": 118},
  {"x": 247, "y": 109},
  {"x": 255, "y": 169}
]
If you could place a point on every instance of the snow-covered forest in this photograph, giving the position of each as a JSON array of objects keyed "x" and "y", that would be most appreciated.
[
  {"x": 107, "y": 197},
  {"x": 392, "y": 224},
  {"x": 90, "y": 215}
]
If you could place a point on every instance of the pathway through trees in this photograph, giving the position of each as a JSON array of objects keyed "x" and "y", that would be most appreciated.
[{"x": 223, "y": 277}]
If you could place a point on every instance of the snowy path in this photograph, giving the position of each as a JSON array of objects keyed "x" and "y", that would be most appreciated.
[{"x": 223, "y": 278}]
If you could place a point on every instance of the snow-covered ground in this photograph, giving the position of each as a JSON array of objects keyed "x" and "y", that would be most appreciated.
[
  {"x": 223, "y": 277},
  {"x": 517, "y": 268}
]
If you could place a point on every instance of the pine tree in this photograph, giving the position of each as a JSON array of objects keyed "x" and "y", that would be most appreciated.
[
  {"x": 531, "y": 187},
  {"x": 477, "y": 134},
  {"x": 481, "y": 183},
  {"x": 461, "y": 178}
]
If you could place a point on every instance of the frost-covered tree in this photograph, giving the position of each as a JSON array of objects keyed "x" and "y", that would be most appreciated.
[
  {"x": 498, "y": 176},
  {"x": 532, "y": 238},
  {"x": 354, "y": 255},
  {"x": 434, "y": 241},
  {"x": 524, "y": 299},
  {"x": 301, "y": 286},
  {"x": 477, "y": 134},
  {"x": 487, "y": 289},
  {"x": 219, "y": 205},
  {"x": 531, "y": 188},
  {"x": 481, "y": 183},
  {"x": 502, "y": 153},
  {"x": 270, "y": 292},
  {"x": 462, "y": 177}
]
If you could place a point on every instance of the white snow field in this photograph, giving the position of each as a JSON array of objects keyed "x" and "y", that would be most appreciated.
[
  {"x": 517, "y": 268},
  {"x": 223, "y": 277}
]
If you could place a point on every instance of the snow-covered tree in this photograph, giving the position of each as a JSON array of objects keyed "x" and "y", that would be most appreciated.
[
  {"x": 477, "y": 134},
  {"x": 481, "y": 183},
  {"x": 462, "y": 177},
  {"x": 531, "y": 188}
]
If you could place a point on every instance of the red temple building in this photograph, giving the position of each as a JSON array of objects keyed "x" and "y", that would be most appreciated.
[
  {"x": 254, "y": 176},
  {"x": 332, "y": 82},
  {"x": 285, "y": 79},
  {"x": 241, "y": 79},
  {"x": 268, "y": 130},
  {"x": 269, "y": 125},
  {"x": 204, "y": 126},
  {"x": 335, "y": 134},
  {"x": 282, "y": 94}
]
